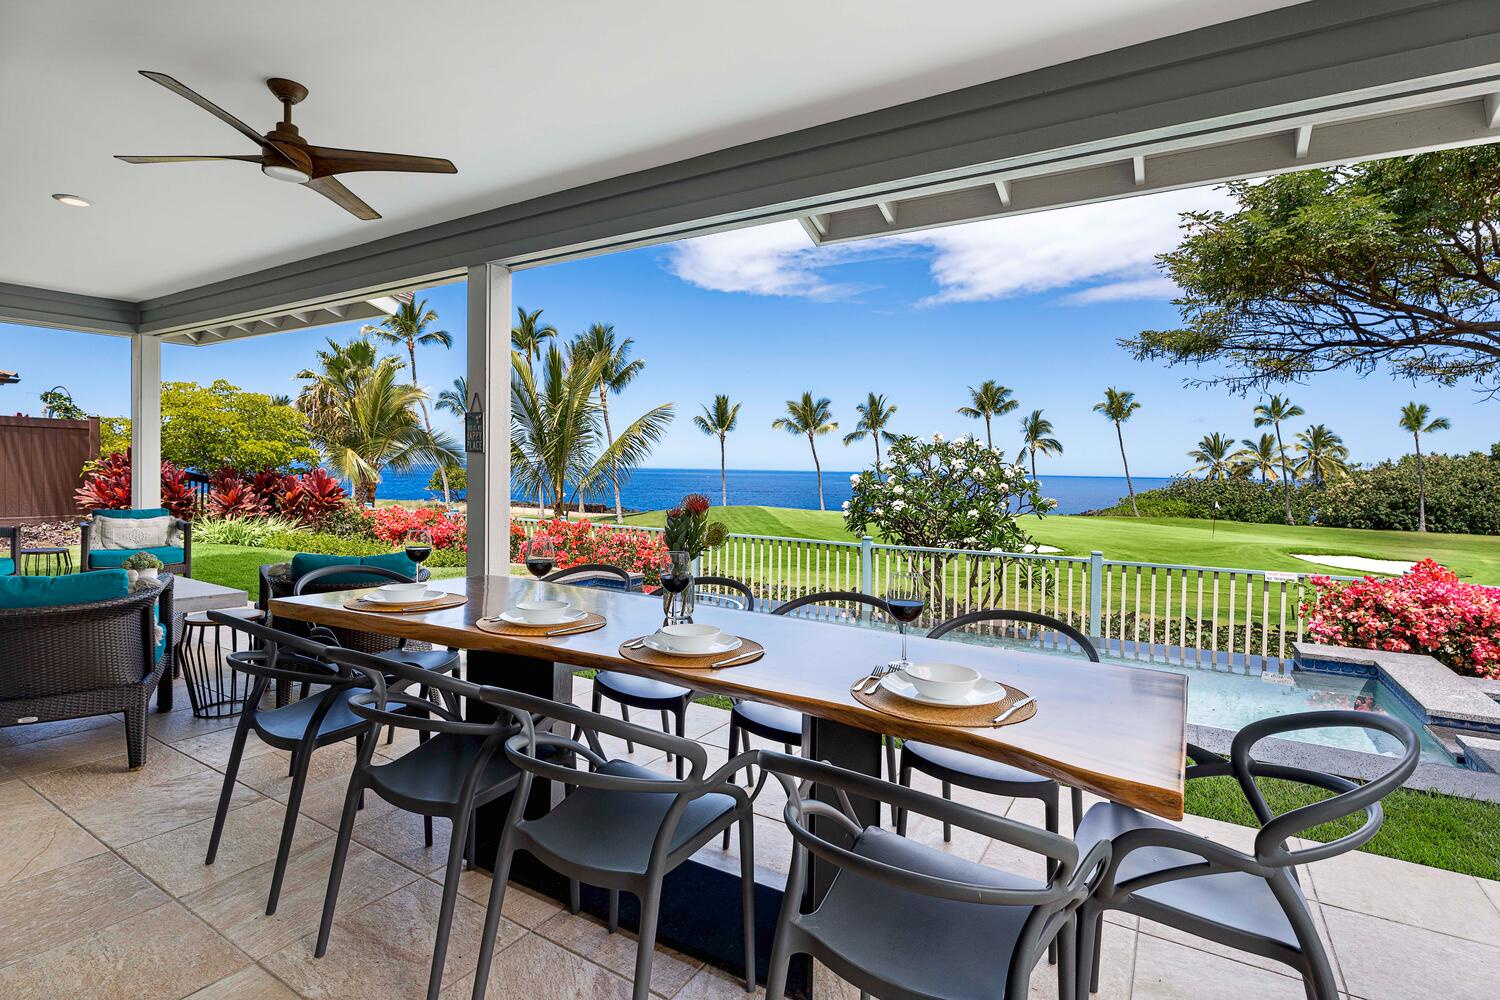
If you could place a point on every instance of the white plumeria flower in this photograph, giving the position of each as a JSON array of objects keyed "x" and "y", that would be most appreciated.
[
  {"x": 854, "y": 478},
  {"x": 846, "y": 505},
  {"x": 1003, "y": 488},
  {"x": 973, "y": 512},
  {"x": 898, "y": 489},
  {"x": 899, "y": 505}
]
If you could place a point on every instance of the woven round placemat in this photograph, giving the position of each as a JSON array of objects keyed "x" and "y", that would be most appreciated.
[
  {"x": 587, "y": 623},
  {"x": 401, "y": 608},
  {"x": 652, "y": 658},
  {"x": 942, "y": 715}
]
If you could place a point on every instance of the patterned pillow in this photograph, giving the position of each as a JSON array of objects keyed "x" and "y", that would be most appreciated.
[{"x": 132, "y": 532}]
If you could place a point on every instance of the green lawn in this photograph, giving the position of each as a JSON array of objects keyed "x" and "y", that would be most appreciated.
[
  {"x": 1440, "y": 831},
  {"x": 1170, "y": 540}
]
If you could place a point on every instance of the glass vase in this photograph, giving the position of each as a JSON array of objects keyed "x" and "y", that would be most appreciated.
[{"x": 677, "y": 609}]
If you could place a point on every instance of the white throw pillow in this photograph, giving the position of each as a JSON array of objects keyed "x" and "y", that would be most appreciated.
[{"x": 133, "y": 532}]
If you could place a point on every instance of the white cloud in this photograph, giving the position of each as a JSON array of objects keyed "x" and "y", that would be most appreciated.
[{"x": 1099, "y": 253}]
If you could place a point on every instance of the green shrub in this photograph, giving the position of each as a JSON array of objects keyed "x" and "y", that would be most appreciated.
[
  {"x": 458, "y": 482},
  {"x": 1239, "y": 500},
  {"x": 453, "y": 556},
  {"x": 1463, "y": 496},
  {"x": 324, "y": 544},
  {"x": 348, "y": 521},
  {"x": 253, "y": 531}
]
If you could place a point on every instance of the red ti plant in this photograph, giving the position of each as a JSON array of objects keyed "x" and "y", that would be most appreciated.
[
  {"x": 107, "y": 487},
  {"x": 311, "y": 497},
  {"x": 229, "y": 496},
  {"x": 176, "y": 495}
]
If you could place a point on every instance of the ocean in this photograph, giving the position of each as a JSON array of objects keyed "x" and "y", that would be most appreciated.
[{"x": 656, "y": 489}]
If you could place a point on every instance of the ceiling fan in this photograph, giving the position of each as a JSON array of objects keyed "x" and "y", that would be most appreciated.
[{"x": 286, "y": 156}]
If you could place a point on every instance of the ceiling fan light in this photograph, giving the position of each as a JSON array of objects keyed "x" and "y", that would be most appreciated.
[
  {"x": 73, "y": 200},
  {"x": 284, "y": 172}
]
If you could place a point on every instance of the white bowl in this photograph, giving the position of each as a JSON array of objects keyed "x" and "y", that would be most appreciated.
[
  {"x": 690, "y": 638},
  {"x": 941, "y": 681},
  {"x": 543, "y": 612},
  {"x": 395, "y": 593}
]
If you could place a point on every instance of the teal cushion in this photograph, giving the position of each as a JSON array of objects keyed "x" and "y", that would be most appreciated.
[
  {"x": 305, "y": 562},
  {"x": 148, "y": 512},
  {"x": 7, "y": 567},
  {"x": 110, "y": 558},
  {"x": 161, "y": 644},
  {"x": 51, "y": 591}
]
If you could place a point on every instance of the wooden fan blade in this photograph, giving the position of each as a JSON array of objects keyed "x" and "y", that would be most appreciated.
[
  {"x": 328, "y": 160},
  {"x": 181, "y": 89},
  {"x": 341, "y": 196},
  {"x": 184, "y": 159}
]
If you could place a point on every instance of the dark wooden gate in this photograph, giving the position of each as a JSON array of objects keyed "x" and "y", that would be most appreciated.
[{"x": 40, "y": 465}]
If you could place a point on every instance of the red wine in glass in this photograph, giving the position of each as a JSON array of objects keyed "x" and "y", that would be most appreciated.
[
  {"x": 906, "y": 596},
  {"x": 904, "y": 610},
  {"x": 540, "y": 557},
  {"x": 418, "y": 546}
]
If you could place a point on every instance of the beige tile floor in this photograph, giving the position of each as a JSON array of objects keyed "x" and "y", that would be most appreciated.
[{"x": 104, "y": 894}]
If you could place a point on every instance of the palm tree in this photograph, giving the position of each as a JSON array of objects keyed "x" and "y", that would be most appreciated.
[
  {"x": 365, "y": 420},
  {"x": 1270, "y": 414},
  {"x": 813, "y": 417},
  {"x": 456, "y": 398},
  {"x": 989, "y": 400},
  {"x": 874, "y": 414},
  {"x": 555, "y": 434},
  {"x": 1212, "y": 456},
  {"x": 615, "y": 373},
  {"x": 527, "y": 335},
  {"x": 717, "y": 421},
  {"x": 1324, "y": 456},
  {"x": 1414, "y": 421},
  {"x": 1036, "y": 438},
  {"x": 1258, "y": 456},
  {"x": 1117, "y": 407},
  {"x": 408, "y": 326}
]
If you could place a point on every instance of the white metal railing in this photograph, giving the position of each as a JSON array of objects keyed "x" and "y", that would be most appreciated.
[{"x": 1206, "y": 616}]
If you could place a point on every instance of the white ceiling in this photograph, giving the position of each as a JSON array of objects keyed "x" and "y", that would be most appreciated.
[{"x": 526, "y": 97}]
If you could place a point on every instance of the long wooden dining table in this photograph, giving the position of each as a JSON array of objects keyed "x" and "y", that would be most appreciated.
[{"x": 1116, "y": 731}]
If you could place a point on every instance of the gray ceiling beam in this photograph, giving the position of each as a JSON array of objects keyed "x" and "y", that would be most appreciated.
[
  {"x": 66, "y": 310},
  {"x": 1304, "y": 56}
]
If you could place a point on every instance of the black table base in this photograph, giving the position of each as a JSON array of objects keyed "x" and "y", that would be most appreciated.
[{"x": 700, "y": 903}]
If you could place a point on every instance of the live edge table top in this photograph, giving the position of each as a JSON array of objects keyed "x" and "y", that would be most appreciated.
[{"x": 1117, "y": 731}]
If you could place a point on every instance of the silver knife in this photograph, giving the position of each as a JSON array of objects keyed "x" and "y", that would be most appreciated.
[
  {"x": 1012, "y": 710},
  {"x": 574, "y": 628},
  {"x": 737, "y": 659}
]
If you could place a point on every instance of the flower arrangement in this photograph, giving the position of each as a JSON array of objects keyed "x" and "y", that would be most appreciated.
[
  {"x": 449, "y": 531},
  {"x": 689, "y": 529},
  {"x": 1425, "y": 611},
  {"x": 578, "y": 542}
]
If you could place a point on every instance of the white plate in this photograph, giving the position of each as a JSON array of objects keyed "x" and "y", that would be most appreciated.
[
  {"x": 375, "y": 597},
  {"x": 567, "y": 619},
  {"x": 723, "y": 644},
  {"x": 984, "y": 692}
]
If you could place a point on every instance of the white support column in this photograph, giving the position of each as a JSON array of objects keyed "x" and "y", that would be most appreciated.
[
  {"x": 145, "y": 422},
  {"x": 489, "y": 380}
]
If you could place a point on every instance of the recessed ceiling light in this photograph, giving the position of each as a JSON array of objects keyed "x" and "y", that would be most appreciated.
[{"x": 73, "y": 199}]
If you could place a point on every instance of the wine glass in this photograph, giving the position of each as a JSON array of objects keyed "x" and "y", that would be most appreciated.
[
  {"x": 541, "y": 556},
  {"x": 906, "y": 596},
  {"x": 418, "y": 545}
]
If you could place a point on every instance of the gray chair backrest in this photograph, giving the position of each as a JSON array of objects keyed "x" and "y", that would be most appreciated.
[
  {"x": 286, "y": 657},
  {"x": 1045, "y": 623},
  {"x": 312, "y": 577},
  {"x": 586, "y": 570},
  {"x": 1069, "y": 883},
  {"x": 376, "y": 704},
  {"x": 834, "y": 598},
  {"x": 743, "y": 594}
]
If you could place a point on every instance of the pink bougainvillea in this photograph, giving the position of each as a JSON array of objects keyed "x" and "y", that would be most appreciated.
[
  {"x": 1425, "y": 611},
  {"x": 579, "y": 542},
  {"x": 391, "y": 524}
]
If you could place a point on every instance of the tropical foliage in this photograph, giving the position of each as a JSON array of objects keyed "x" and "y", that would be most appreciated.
[
  {"x": 1323, "y": 454},
  {"x": 58, "y": 404},
  {"x": 556, "y": 439},
  {"x": 1416, "y": 420},
  {"x": 1257, "y": 457},
  {"x": 1425, "y": 611},
  {"x": 718, "y": 419},
  {"x": 986, "y": 402},
  {"x": 689, "y": 530},
  {"x": 616, "y": 370},
  {"x": 1213, "y": 457},
  {"x": 448, "y": 530},
  {"x": 1391, "y": 262},
  {"x": 408, "y": 327},
  {"x": 578, "y": 542},
  {"x": 1037, "y": 439},
  {"x": 811, "y": 418},
  {"x": 1271, "y": 414},
  {"x": 1117, "y": 406},
  {"x": 875, "y": 415},
  {"x": 206, "y": 426},
  {"x": 365, "y": 419},
  {"x": 529, "y": 332},
  {"x": 106, "y": 486}
]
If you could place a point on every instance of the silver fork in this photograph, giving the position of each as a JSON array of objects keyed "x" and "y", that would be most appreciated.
[{"x": 875, "y": 676}]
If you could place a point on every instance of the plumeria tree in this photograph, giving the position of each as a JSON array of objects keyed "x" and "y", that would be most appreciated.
[{"x": 941, "y": 494}]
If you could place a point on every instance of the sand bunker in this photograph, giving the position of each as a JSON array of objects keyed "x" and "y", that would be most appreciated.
[{"x": 1359, "y": 563}]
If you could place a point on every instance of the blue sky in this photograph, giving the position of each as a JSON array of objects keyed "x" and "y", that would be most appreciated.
[{"x": 1035, "y": 302}]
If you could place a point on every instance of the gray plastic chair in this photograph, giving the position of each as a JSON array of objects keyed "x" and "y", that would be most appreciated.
[
  {"x": 315, "y": 721},
  {"x": 620, "y": 827},
  {"x": 954, "y": 767},
  {"x": 459, "y": 767},
  {"x": 1249, "y": 902},
  {"x": 782, "y": 725},
  {"x": 904, "y": 921}
]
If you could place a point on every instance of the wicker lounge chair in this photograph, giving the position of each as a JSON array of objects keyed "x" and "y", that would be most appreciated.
[
  {"x": 176, "y": 558},
  {"x": 74, "y": 660}
]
